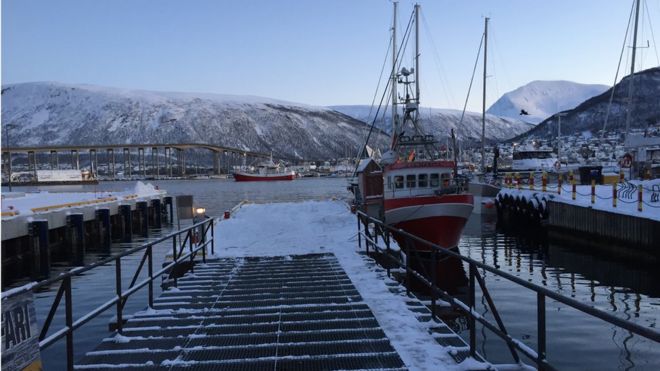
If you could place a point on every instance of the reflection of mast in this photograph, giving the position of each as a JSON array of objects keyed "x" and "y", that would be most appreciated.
[{"x": 632, "y": 69}]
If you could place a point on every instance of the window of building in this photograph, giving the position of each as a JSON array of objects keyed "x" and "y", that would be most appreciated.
[{"x": 398, "y": 181}]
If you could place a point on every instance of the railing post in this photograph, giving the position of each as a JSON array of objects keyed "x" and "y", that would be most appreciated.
[
  {"x": 540, "y": 309},
  {"x": 203, "y": 239},
  {"x": 191, "y": 233},
  {"x": 472, "y": 322},
  {"x": 118, "y": 291},
  {"x": 69, "y": 322},
  {"x": 151, "y": 275},
  {"x": 359, "y": 233},
  {"x": 386, "y": 237},
  {"x": 434, "y": 283},
  {"x": 175, "y": 259},
  {"x": 212, "y": 236}
]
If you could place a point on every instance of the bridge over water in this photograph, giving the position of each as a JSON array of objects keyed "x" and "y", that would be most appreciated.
[{"x": 156, "y": 160}]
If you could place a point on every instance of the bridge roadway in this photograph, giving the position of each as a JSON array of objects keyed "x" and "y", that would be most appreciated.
[{"x": 111, "y": 150}]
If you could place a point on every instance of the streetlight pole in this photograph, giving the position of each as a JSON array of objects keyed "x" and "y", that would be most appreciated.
[{"x": 9, "y": 154}]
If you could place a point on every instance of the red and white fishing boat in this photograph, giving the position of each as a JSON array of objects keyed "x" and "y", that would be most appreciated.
[
  {"x": 420, "y": 194},
  {"x": 265, "y": 171}
]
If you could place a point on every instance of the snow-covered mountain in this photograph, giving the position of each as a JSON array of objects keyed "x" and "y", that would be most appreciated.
[
  {"x": 542, "y": 99},
  {"x": 54, "y": 113},
  {"x": 590, "y": 114},
  {"x": 439, "y": 122}
]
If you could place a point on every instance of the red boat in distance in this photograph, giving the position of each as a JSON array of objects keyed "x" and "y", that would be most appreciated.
[{"x": 265, "y": 171}]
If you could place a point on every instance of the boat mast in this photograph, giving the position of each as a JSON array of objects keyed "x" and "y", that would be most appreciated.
[
  {"x": 393, "y": 77},
  {"x": 632, "y": 70},
  {"x": 417, "y": 54},
  {"x": 483, "y": 101}
]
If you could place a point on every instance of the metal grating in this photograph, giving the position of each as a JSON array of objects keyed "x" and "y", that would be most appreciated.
[{"x": 275, "y": 313}]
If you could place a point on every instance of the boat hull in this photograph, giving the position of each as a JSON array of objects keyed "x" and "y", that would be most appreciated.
[
  {"x": 437, "y": 219},
  {"x": 246, "y": 177}
]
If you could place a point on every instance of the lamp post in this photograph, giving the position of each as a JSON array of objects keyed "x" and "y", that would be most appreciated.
[{"x": 7, "y": 127}]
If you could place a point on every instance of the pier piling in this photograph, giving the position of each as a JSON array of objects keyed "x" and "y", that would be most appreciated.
[
  {"x": 167, "y": 200},
  {"x": 143, "y": 217},
  {"x": 38, "y": 240},
  {"x": 103, "y": 227},
  {"x": 75, "y": 238},
  {"x": 126, "y": 222},
  {"x": 157, "y": 213}
]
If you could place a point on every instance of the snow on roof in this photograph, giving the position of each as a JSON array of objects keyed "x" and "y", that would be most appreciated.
[
  {"x": 362, "y": 166},
  {"x": 279, "y": 229}
]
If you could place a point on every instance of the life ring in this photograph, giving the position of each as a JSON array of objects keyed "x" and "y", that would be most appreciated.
[{"x": 557, "y": 165}]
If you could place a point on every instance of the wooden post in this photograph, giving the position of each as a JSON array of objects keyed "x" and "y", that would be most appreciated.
[
  {"x": 103, "y": 225},
  {"x": 126, "y": 223},
  {"x": 75, "y": 238},
  {"x": 570, "y": 176},
  {"x": 613, "y": 194},
  {"x": 559, "y": 181},
  {"x": 531, "y": 181},
  {"x": 544, "y": 180},
  {"x": 38, "y": 240},
  {"x": 639, "y": 197},
  {"x": 621, "y": 176},
  {"x": 518, "y": 180},
  {"x": 593, "y": 191}
]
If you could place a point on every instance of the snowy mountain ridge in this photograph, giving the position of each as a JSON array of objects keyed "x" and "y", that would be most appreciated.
[
  {"x": 542, "y": 99},
  {"x": 439, "y": 122},
  {"x": 47, "y": 113}
]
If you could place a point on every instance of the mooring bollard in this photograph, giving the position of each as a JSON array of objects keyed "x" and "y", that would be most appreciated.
[
  {"x": 103, "y": 225},
  {"x": 38, "y": 240},
  {"x": 613, "y": 194},
  {"x": 639, "y": 197}
]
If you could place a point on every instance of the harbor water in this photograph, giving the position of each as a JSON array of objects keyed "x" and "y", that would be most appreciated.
[{"x": 575, "y": 341}]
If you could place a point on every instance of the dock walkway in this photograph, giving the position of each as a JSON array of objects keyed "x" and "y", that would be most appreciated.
[{"x": 297, "y": 312}]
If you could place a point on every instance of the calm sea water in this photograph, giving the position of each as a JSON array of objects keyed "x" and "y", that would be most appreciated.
[{"x": 575, "y": 341}]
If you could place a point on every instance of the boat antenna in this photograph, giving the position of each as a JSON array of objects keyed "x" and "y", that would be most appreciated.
[{"x": 483, "y": 103}]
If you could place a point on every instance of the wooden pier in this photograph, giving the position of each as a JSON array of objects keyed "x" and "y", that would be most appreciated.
[{"x": 269, "y": 313}]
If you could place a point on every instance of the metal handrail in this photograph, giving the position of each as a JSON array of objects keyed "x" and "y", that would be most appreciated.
[
  {"x": 65, "y": 288},
  {"x": 538, "y": 356}
]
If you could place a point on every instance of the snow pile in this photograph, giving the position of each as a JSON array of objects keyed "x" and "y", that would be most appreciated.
[
  {"x": 626, "y": 197},
  {"x": 328, "y": 227},
  {"x": 21, "y": 204},
  {"x": 542, "y": 99}
]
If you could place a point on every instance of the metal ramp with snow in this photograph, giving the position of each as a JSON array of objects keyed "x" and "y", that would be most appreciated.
[{"x": 272, "y": 313}]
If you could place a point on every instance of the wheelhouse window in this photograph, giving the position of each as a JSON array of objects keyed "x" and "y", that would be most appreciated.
[
  {"x": 435, "y": 180},
  {"x": 398, "y": 181},
  {"x": 411, "y": 181},
  {"x": 445, "y": 179},
  {"x": 389, "y": 182},
  {"x": 423, "y": 180}
]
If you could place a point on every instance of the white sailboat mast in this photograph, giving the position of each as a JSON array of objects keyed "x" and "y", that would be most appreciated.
[
  {"x": 483, "y": 101},
  {"x": 393, "y": 77},
  {"x": 632, "y": 70},
  {"x": 417, "y": 53}
]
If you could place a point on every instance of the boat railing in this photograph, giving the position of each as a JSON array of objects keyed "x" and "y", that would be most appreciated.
[
  {"x": 187, "y": 243},
  {"x": 371, "y": 230}
]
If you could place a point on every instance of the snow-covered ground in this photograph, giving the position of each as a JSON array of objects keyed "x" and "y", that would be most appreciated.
[
  {"x": 16, "y": 204},
  {"x": 280, "y": 229},
  {"x": 626, "y": 201}
]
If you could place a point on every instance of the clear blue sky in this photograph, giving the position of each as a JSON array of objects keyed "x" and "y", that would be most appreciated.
[{"x": 319, "y": 52}]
